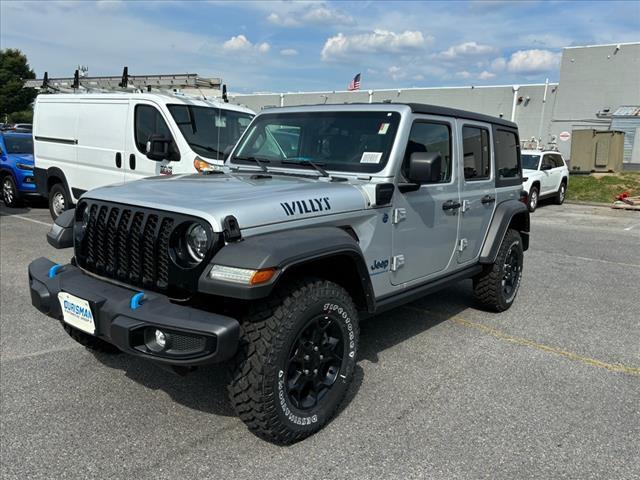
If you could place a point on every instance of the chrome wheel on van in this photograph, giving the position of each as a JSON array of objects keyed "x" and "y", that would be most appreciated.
[
  {"x": 58, "y": 200},
  {"x": 58, "y": 203}
]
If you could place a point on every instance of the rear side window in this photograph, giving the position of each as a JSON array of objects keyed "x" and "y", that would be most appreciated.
[
  {"x": 558, "y": 160},
  {"x": 476, "y": 154},
  {"x": 149, "y": 121},
  {"x": 430, "y": 137},
  {"x": 507, "y": 155}
]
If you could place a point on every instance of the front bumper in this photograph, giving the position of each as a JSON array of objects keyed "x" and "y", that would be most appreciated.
[{"x": 210, "y": 337}]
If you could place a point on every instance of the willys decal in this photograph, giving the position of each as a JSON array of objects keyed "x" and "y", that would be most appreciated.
[{"x": 301, "y": 207}]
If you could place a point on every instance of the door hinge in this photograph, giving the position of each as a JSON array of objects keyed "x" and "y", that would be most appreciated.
[
  {"x": 399, "y": 214},
  {"x": 396, "y": 262},
  {"x": 465, "y": 205},
  {"x": 463, "y": 244}
]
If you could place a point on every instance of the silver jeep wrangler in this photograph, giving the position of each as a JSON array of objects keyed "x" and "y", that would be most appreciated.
[{"x": 323, "y": 215}]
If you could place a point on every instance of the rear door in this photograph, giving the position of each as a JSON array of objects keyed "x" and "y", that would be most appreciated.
[
  {"x": 425, "y": 233},
  {"x": 100, "y": 135},
  {"x": 547, "y": 180},
  {"x": 478, "y": 191},
  {"x": 145, "y": 119}
]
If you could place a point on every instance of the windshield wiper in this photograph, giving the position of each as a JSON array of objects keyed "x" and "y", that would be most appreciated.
[
  {"x": 305, "y": 161},
  {"x": 255, "y": 160}
]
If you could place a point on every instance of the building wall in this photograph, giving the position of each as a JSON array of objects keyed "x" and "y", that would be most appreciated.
[{"x": 591, "y": 79}]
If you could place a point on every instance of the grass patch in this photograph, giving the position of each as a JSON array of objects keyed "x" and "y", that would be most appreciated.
[{"x": 589, "y": 188}]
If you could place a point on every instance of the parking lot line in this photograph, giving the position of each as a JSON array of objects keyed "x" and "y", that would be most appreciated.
[
  {"x": 589, "y": 259},
  {"x": 9, "y": 358},
  {"x": 612, "y": 367},
  {"x": 26, "y": 219}
]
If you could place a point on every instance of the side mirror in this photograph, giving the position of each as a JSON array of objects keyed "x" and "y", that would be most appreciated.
[
  {"x": 158, "y": 147},
  {"x": 425, "y": 167},
  {"x": 545, "y": 166}
]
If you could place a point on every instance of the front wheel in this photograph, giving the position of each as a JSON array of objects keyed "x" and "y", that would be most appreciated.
[
  {"x": 59, "y": 201},
  {"x": 295, "y": 362},
  {"x": 10, "y": 195},
  {"x": 497, "y": 286}
]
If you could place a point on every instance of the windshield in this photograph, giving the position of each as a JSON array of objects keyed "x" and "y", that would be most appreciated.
[
  {"x": 18, "y": 144},
  {"x": 530, "y": 162},
  {"x": 211, "y": 132},
  {"x": 344, "y": 141}
]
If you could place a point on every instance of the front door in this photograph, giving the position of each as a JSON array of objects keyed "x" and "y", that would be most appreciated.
[
  {"x": 425, "y": 233},
  {"x": 145, "y": 119},
  {"x": 478, "y": 192},
  {"x": 549, "y": 180}
]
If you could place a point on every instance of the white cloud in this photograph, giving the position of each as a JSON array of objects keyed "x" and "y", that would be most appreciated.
[
  {"x": 533, "y": 61},
  {"x": 396, "y": 73},
  {"x": 466, "y": 49},
  {"x": 378, "y": 41},
  {"x": 463, "y": 74},
  {"x": 485, "y": 75},
  {"x": 240, "y": 43},
  {"x": 289, "y": 52},
  {"x": 499, "y": 64},
  {"x": 318, "y": 15}
]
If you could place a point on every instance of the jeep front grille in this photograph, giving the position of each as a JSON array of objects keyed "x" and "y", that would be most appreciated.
[{"x": 132, "y": 245}]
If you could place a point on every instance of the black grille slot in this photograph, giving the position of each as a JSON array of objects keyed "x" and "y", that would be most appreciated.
[{"x": 130, "y": 245}]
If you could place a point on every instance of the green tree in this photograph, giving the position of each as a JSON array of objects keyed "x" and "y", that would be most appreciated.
[{"x": 15, "y": 98}]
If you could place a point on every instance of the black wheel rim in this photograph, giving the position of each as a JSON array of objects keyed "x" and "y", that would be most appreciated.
[
  {"x": 314, "y": 362},
  {"x": 511, "y": 276}
]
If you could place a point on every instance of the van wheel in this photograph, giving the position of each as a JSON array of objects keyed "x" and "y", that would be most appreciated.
[
  {"x": 497, "y": 286},
  {"x": 295, "y": 361},
  {"x": 59, "y": 201},
  {"x": 89, "y": 341},
  {"x": 562, "y": 192},
  {"x": 10, "y": 195}
]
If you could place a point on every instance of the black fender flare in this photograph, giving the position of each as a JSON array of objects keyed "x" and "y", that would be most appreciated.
[
  {"x": 284, "y": 251},
  {"x": 55, "y": 172},
  {"x": 509, "y": 212}
]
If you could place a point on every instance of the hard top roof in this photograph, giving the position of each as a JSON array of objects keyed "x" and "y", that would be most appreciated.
[{"x": 454, "y": 112}]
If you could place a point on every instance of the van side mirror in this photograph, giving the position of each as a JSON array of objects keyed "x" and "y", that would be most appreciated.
[
  {"x": 425, "y": 167},
  {"x": 158, "y": 148}
]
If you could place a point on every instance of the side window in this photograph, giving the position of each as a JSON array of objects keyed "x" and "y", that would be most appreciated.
[
  {"x": 430, "y": 137},
  {"x": 148, "y": 121},
  {"x": 549, "y": 161},
  {"x": 507, "y": 157},
  {"x": 476, "y": 154},
  {"x": 558, "y": 160}
]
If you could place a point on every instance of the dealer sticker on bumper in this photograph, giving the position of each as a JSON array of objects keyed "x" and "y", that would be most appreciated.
[{"x": 77, "y": 312}]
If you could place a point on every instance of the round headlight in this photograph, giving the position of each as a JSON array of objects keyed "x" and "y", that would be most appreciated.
[{"x": 197, "y": 241}]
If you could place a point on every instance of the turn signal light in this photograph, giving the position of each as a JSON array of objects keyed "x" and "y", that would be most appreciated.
[
  {"x": 201, "y": 166},
  {"x": 262, "y": 276}
]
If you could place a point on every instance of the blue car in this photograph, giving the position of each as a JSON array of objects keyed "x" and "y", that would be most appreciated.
[{"x": 16, "y": 168}]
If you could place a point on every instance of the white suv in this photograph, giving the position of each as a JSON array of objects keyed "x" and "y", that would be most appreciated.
[{"x": 544, "y": 174}]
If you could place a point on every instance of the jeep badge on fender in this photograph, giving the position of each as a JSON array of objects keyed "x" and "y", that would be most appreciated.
[{"x": 321, "y": 216}]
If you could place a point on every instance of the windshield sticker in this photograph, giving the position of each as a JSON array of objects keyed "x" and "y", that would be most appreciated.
[
  {"x": 221, "y": 122},
  {"x": 383, "y": 129},
  {"x": 301, "y": 207},
  {"x": 371, "y": 157}
]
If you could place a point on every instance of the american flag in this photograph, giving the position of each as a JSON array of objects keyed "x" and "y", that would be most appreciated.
[{"x": 355, "y": 83}]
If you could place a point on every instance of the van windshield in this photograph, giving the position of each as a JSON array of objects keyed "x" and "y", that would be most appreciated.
[
  {"x": 344, "y": 141},
  {"x": 211, "y": 132}
]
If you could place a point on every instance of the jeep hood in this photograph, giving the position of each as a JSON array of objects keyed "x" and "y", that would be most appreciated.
[{"x": 252, "y": 200}]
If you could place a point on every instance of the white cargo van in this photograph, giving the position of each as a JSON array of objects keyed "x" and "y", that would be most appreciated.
[{"x": 84, "y": 141}]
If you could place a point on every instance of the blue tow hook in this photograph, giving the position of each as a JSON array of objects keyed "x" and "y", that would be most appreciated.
[
  {"x": 54, "y": 270},
  {"x": 136, "y": 300}
]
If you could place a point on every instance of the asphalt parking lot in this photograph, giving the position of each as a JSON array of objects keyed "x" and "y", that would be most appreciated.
[{"x": 548, "y": 389}]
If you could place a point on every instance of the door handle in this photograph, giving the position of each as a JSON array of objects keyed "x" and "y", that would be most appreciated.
[
  {"x": 132, "y": 161},
  {"x": 118, "y": 160},
  {"x": 451, "y": 205},
  {"x": 488, "y": 199}
]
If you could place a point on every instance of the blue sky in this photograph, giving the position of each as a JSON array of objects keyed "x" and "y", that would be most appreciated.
[{"x": 315, "y": 45}]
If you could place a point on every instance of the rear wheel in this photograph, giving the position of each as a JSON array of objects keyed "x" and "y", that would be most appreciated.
[
  {"x": 10, "y": 195},
  {"x": 534, "y": 196},
  {"x": 59, "y": 201},
  {"x": 562, "y": 192},
  {"x": 295, "y": 362},
  {"x": 497, "y": 286}
]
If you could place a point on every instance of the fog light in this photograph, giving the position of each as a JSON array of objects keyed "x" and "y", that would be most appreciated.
[{"x": 161, "y": 339}]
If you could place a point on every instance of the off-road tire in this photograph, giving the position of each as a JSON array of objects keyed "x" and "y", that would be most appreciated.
[
  {"x": 258, "y": 372},
  {"x": 56, "y": 190},
  {"x": 534, "y": 199},
  {"x": 487, "y": 287},
  {"x": 10, "y": 198},
  {"x": 560, "y": 195},
  {"x": 89, "y": 341}
]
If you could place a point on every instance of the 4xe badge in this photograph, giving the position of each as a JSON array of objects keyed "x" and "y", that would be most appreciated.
[{"x": 379, "y": 266}]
